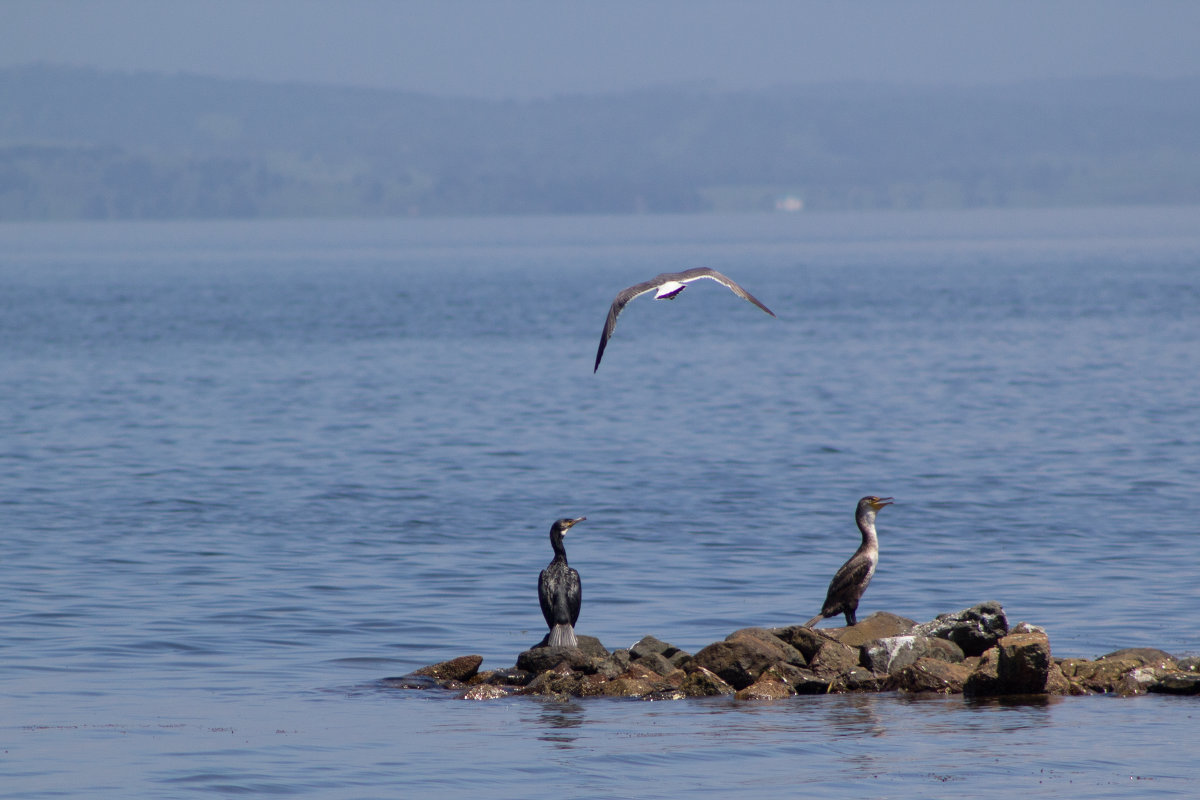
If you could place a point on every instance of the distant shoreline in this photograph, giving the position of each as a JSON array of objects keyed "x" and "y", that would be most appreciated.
[{"x": 81, "y": 144}]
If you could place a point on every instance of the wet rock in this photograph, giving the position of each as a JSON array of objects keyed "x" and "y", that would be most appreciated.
[
  {"x": 984, "y": 678},
  {"x": 883, "y": 652},
  {"x": 1024, "y": 663},
  {"x": 648, "y": 646},
  {"x": 505, "y": 677},
  {"x": 1057, "y": 683},
  {"x": 786, "y": 652},
  {"x": 481, "y": 677},
  {"x": 1074, "y": 670},
  {"x": 834, "y": 658},
  {"x": 974, "y": 630},
  {"x": 805, "y": 681},
  {"x": 411, "y": 681},
  {"x": 1080, "y": 672},
  {"x": 628, "y": 687},
  {"x": 1144, "y": 656},
  {"x": 790, "y": 673},
  {"x": 486, "y": 691},
  {"x": 637, "y": 681},
  {"x": 643, "y": 672},
  {"x": 1123, "y": 672},
  {"x": 588, "y": 644},
  {"x": 1190, "y": 664},
  {"x": 555, "y": 682},
  {"x": 1185, "y": 683},
  {"x": 592, "y": 646},
  {"x": 680, "y": 659},
  {"x": 702, "y": 682},
  {"x": 929, "y": 675},
  {"x": 460, "y": 669},
  {"x": 540, "y": 659},
  {"x": 742, "y": 658},
  {"x": 879, "y": 625},
  {"x": 617, "y": 662},
  {"x": 769, "y": 686},
  {"x": 656, "y": 662},
  {"x": 1139, "y": 680},
  {"x": 593, "y": 685},
  {"x": 1074, "y": 667},
  {"x": 856, "y": 679},
  {"x": 893, "y": 653},
  {"x": 1019, "y": 664},
  {"x": 806, "y": 640}
]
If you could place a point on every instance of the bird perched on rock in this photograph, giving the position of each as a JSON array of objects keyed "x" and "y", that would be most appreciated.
[
  {"x": 849, "y": 583},
  {"x": 559, "y": 590},
  {"x": 666, "y": 287}
]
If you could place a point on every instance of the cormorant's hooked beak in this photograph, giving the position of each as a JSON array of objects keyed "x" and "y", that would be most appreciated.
[
  {"x": 575, "y": 522},
  {"x": 881, "y": 502}
]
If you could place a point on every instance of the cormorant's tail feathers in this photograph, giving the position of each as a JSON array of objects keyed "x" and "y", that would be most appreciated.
[
  {"x": 814, "y": 620},
  {"x": 562, "y": 636}
]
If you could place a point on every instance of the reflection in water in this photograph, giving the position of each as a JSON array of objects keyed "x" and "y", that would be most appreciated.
[
  {"x": 1025, "y": 702},
  {"x": 1025, "y": 712},
  {"x": 556, "y": 721},
  {"x": 856, "y": 717}
]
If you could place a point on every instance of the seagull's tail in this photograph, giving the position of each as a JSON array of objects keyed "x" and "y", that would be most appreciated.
[
  {"x": 814, "y": 620},
  {"x": 562, "y": 636}
]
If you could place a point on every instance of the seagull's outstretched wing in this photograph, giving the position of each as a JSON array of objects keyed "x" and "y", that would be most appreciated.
[
  {"x": 687, "y": 276},
  {"x": 618, "y": 305}
]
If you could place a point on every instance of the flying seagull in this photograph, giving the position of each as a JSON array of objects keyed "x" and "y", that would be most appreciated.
[{"x": 666, "y": 287}]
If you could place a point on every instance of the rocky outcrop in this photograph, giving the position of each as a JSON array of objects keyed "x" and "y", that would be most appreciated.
[
  {"x": 929, "y": 675},
  {"x": 893, "y": 653},
  {"x": 879, "y": 625},
  {"x": 1177, "y": 683},
  {"x": 1018, "y": 664},
  {"x": 703, "y": 683},
  {"x": 1123, "y": 672},
  {"x": 654, "y": 651},
  {"x": 972, "y": 652},
  {"x": 974, "y": 630},
  {"x": 771, "y": 685}
]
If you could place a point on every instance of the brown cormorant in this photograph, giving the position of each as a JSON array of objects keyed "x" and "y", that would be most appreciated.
[
  {"x": 559, "y": 590},
  {"x": 849, "y": 583},
  {"x": 668, "y": 286}
]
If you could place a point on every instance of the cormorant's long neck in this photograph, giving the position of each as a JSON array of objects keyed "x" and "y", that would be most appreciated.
[
  {"x": 560, "y": 551},
  {"x": 866, "y": 524}
]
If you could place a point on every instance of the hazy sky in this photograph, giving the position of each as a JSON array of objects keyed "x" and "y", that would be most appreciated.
[{"x": 510, "y": 48}]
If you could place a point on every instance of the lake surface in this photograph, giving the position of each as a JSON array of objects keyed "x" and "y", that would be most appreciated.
[{"x": 249, "y": 469}]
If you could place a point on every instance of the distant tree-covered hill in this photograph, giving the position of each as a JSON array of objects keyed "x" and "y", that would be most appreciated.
[{"x": 82, "y": 144}]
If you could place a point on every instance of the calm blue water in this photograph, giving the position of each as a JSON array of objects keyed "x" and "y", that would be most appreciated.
[{"x": 246, "y": 470}]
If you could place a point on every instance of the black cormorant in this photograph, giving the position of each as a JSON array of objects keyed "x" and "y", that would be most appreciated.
[
  {"x": 848, "y": 585},
  {"x": 559, "y": 590},
  {"x": 668, "y": 286}
]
